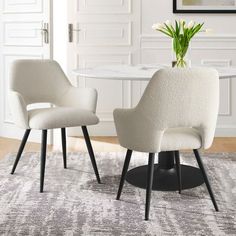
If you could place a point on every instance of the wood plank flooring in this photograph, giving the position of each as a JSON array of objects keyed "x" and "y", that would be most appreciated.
[{"x": 101, "y": 144}]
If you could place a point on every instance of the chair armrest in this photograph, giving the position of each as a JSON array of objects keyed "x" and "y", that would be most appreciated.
[
  {"x": 135, "y": 132},
  {"x": 83, "y": 98},
  {"x": 207, "y": 136},
  {"x": 19, "y": 109}
]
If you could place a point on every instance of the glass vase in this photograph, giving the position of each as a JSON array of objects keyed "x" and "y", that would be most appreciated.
[{"x": 180, "y": 58}]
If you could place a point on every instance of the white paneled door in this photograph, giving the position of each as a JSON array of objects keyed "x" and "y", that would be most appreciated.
[
  {"x": 104, "y": 32},
  {"x": 25, "y": 34}
]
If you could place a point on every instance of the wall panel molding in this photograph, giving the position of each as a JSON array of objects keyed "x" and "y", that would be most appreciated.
[
  {"x": 220, "y": 42},
  {"x": 95, "y": 34},
  {"x": 22, "y": 6},
  {"x": 104, "y": 7},
  {"x": 22, "y": 34}
]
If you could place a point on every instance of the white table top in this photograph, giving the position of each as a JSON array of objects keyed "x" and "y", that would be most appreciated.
[{"x": 137, "y": 73}]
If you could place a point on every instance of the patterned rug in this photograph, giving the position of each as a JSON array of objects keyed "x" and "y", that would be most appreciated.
[{"x": 74, "y": 204}]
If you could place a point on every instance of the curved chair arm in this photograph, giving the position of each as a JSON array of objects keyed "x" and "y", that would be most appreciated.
[
  {"x": 135, "y": 132},
  {"x": 206, "y": 135},
  {"x": 84, "y": 98},
  {"x": 18, "y": 109}
]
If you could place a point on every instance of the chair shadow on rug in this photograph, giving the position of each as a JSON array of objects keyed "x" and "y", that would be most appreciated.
[
  {"x": 108, "y": 185},
  {"x": 80, "y": 170}
]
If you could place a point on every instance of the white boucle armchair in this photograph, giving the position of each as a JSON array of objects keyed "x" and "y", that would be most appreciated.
[
  {"x": 43, "y": 81},
  {"x": 177, "y": 111}
]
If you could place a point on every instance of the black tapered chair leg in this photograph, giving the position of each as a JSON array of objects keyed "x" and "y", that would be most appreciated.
[
  {"x": 43, "y": 158},
  {"x": 91, "y": 153},
  {"x": 178, "y": 170},
  {"x": 21, "y": 148},
  {"x": 124, "y": 172},
  {"x": 204, "y": 174},
  {"x": 63, "y": 142},
  {"x": 149, "y": 184}
]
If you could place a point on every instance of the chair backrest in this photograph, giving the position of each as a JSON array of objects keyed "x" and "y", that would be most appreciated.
[
  {"x": 38, "y": 81},
  {"x": 186, "y": 97}
]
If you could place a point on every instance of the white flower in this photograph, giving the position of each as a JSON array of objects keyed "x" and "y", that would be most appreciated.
[
  {"x": 190, "y": 24},
  {"x": 168, "y": 22},
  {"x": 157, "y": 26}
]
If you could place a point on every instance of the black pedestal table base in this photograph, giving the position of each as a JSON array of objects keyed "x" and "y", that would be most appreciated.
[{"x": 165, "y": 177}]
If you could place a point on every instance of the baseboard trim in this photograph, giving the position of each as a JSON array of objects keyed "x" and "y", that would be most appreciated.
[{"x": 225, "y": 131}]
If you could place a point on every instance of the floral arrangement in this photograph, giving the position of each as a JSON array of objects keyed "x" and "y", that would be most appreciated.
[{"x": 181, "y": 33}]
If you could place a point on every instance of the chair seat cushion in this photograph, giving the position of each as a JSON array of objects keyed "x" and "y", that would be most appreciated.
[
  {"x": 181, "y": 138},
  {"x": 60, "y": 117}
]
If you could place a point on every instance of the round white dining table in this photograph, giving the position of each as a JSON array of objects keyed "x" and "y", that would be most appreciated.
[
  {"x": 138, "y": 72},
  {"x": 165, "y": 174}
]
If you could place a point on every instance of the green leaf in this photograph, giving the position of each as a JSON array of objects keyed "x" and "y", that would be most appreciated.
[
  {"x": 165, "y": 32},
  {"x": 169, "y": 29},
  {"x": 177, "y": 28}
]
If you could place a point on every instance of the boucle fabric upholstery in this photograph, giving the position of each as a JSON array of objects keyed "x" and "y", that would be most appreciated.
[
  {"x": 52, "y": 118},
  {"x": 43, "y": 81},
  {"x": 175, "y": 101}
]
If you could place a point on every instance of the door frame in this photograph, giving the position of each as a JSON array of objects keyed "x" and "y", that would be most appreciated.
[{"x": 60, "y": 43}]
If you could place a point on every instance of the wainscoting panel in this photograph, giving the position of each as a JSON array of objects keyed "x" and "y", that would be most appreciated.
[
  {"x": 105, "y": 34},
  {"x": 22, "y": 6},
  {"x": 104, "y": 6},
  {"x": 23, "y": 34}
]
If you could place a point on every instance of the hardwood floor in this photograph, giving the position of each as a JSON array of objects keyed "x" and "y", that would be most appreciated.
[{"x": 101, "y": 144}]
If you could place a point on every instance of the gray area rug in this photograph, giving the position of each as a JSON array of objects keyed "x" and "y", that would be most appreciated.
[{"x": 74, "y": 204}]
